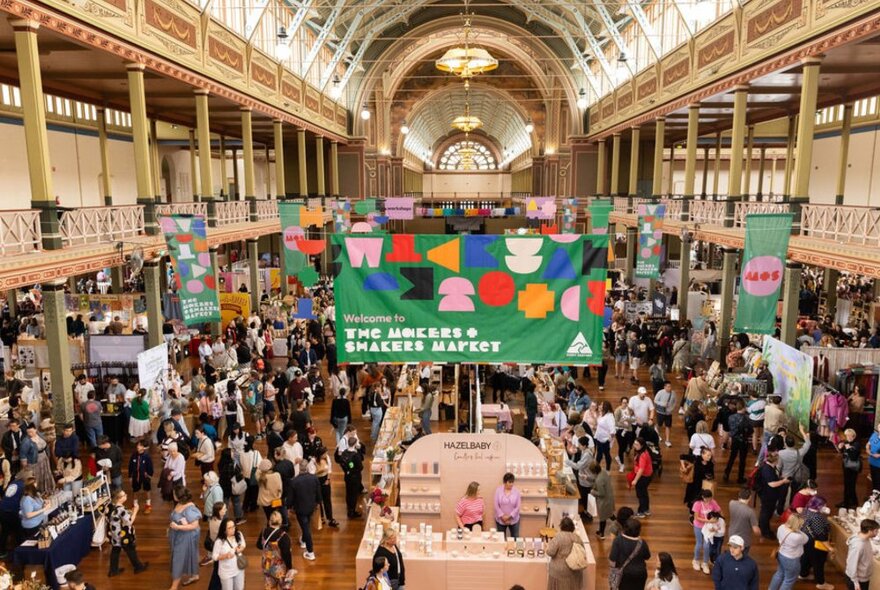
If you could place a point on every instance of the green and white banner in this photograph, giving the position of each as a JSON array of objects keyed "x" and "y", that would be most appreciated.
[
  {"x": 471, "y": 298},
  {"x": 599, "y": 210},
  {"x": 763, "y": 268},
  {"x": 295, "y": 216},
  {"x": 650, "y": 241},
  {"x": 187, "y": 240}
]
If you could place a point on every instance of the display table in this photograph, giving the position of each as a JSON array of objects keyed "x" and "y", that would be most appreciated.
[
  {"x": 68, "y": 548},
  {"x": 505, "y": 420},
  {"x": 838, "y": 538},
  {"x": 115, "y": 426}
]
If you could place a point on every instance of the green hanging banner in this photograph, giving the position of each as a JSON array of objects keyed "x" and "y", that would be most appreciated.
[
  {"x": 187, "y": 240},
  {"x": 650, "y": 241},
  {"x": 763, "y": 268},
  {"x": 524, "y": 299},
  {"x": 599, "y": 210},
  {"x": 294, "y": 218}
]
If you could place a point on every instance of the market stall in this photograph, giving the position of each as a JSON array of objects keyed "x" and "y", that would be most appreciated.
[{"x": 844, "y": 526}]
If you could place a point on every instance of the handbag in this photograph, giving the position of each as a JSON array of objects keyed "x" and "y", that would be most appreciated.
[
  {"x": 241, "y": 561},
  {"x": 775, "y": 552},
  {"x": 615, "y": 574},
  {"x": 686, "y": 471},
  {"x": 239, "y": 486},
  {"x": 852, "y": 464},
  {"x": 708, "y": 484},
  {"x": 576, "y": 560}
]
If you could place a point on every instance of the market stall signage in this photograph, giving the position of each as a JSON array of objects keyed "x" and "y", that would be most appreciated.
[
  {"x": 650, "y": 241},
  {"x": 472, "y": 298},
  {"x": 187, "y": 239},
  {"x": 763, "y": 268}
]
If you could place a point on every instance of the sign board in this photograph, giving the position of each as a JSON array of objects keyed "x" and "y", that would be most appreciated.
[
  {"x": 152, "y": 364},
  {"x": 792, "y": 373}
]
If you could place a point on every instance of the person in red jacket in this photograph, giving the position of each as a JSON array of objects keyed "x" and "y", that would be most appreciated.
[{"x": 640, "y": 477}]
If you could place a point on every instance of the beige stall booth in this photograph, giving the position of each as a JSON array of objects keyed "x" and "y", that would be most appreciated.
[{"x": 434, "y": 474}]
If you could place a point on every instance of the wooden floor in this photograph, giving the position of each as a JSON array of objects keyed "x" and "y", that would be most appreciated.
[{"x": 666, "y": 530}]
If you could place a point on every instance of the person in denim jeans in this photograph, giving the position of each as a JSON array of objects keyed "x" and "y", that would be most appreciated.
[
  {"x": 91, "y": 417},
  {"x": 791, "y": 548}
]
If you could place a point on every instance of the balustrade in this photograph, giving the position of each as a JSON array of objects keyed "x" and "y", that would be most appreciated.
[
  {"x": 856, "y": 225},
  {"x": 20, "y": 232},
  {"x": 232, "y": 212},
  {"x": 91, "y": 225},
  {"x": 742, "y": 209},
  {"x": 673, "y": 208},
  {"x": 183, "y": 209},
  {"x": 267, "y": 210},
  {"x": 708, "y": 212}
]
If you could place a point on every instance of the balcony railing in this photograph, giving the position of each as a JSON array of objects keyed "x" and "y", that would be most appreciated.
[
  {"x": 621, "y": 204},
  {"x": 232, "y": 212},
  {"x": 91, "y": 225},
  {"x": 267, "y": 210},
  {"x": 673, "y": 208},
  {"x": 855, "y": 225},
  {"x": 183, "y": 209},
  {"x": 708, "y": 212},
  {"x": 20, "y": 232},
  {"x": 742, "y": 209}
]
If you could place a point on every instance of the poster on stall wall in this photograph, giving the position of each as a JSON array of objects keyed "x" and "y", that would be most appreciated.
[
  {"x": 152, "y": 364},
  {"x": 412, "y": 298},
  {"x": 187, "y": 240},
  {"x": 650, "y": 241},
  {"x": 763, "y": 268},
  {"x": 233, "y": 305},
  {"x": 792, "y": 373}
]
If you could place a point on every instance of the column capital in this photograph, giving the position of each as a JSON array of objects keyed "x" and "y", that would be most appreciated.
[
  {"x": 245, "y": 109},
  {"x": 616, "y": 134},
  {"x": 791, "y": 265},
  {"x": 728, "y": 250},
  {"x": 635, "y": 127},
  {"x": 278, "y": 121},
  {"x": 659, "y": 119},
  {"x": 56, "y": 285},
  {"x": 813, "y": 60},
  {"x": 200, "y": 92},
  {"x": 24, "y": 24},
  {"x": 301, "y": 130},
  {"x": 135, "y": 67},
  {"x": 694, "y": 105},
  {"x": 252, "y": 240},
  {"x": 741, "y": 88}
]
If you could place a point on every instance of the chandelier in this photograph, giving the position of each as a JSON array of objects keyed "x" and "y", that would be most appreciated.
[
  {"x": 466, "y": 61},
  {"x": 466, "y": 153},
  {"x": 467, "y": 122}
]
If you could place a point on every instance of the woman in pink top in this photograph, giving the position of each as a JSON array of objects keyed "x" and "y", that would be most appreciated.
[
  {"x": 469, "y": 510},
  {"x": 702, "y": 508},
  {"x": 507, "y": 505}
]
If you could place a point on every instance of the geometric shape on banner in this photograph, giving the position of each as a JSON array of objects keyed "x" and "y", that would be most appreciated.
[
  {"x": 403, "y": 249},
  {"x": 361, "y": 227},
  {"x": 579, "y": 346},
  {"x": 198, "y": 271},
  {"x": 565, "y": 238},
  {"x": 183, "y": 268},
  {"x": 593, "y": 257},
  {"x": 195, "y": 286},
  {"x": 475, "y": 255},
  {"x": 570, "y": 303},
  {"x": 446, "y": 255},
  {"x": 294, "y": 261},
  {"x": 376, "y": 219},
  {"x": 365, "y": 206},
  {"x": 523, "y": 260},
  {"x": 496, "y": 288},
  {"x": 381, "y": 281},
  {"x": 536, "y": 301},
  {"x": 549, "y": 208},
  {"x": 559, "y": 267},
  {"x": 596, "y": 300},
  {"x": 307, "y": 276},
  {"x": 304, "y": 306},
  {"x": 308, "y": 217},
  {"x": 359, "y": 249},
  {"x": 204, "y": 259},
  {"x": 422, "y": 279},
  {"x": 335, "y": 266},
  {"x": 167, "y": 225},
  {"x": 210, "y": 282},
  {"x": 547, "y": 229},
  {"x": 310, "y": 247},
  {"x": 457, "y": 291},
  {"x": 762, "y": 275},
  {"x": 184, "y": 224}
]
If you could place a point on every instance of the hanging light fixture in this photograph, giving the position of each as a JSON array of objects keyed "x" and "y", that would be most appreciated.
[
  {"x": 582, "y": 99},
  {"x": 336, "y": 91},
  {"x": 282, "y": 48},
  {"x": 530, "y": 126},
  {"x": 467, "y": 122},
  {"x": 466, "y": 61},
  {"x": 365, "y": 112},
  {"x": 404, "y": 128}
]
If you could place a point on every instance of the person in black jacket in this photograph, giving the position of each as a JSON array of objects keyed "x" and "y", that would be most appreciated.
[
  {"x": 770, "y": 483},
  {"x": 389, "y": 550},
  {"x": 11, "y": 444},
  {"x": 340, "y": 413},
  {"x": 306, "y": 491},
  {"x": 352, "y": 462}
]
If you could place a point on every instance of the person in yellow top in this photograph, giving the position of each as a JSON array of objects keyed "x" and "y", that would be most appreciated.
[{"x": 698, "y": 389}]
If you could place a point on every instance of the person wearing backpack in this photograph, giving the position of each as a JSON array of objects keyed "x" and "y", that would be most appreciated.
[
  {"x": 740, "y": 430},
  {"x": 561, "y": 576},
  {"x": 352, "y": 462},
  {"x": 277, "y": 561}
]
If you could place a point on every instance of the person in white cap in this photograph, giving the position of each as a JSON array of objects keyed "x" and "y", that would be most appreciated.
[
  {"x": 642, "y": 408},
  {"x": 734, "y": 570}
]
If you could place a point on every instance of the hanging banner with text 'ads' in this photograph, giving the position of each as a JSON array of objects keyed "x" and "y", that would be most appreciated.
[
  {"x": 650, "y": 241},
  {"x": 763, "y": 268},
  {"x": 187, "y": 240},
  {"x": 471, "y": 298}
]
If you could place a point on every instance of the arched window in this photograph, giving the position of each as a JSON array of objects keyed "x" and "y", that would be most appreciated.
[{"x": 467, "y": 155}]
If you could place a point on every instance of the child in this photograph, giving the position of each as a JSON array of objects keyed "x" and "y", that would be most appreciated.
[
  {"x": 140, "y": 471},
  {"x": 713, "y": 534}
]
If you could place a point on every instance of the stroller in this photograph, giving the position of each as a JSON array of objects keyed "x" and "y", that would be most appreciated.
[
  {"x": 316, "y": 382},
  {"x": 656, "y": 459}
]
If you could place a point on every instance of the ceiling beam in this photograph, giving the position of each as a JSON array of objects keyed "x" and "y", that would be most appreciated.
[
  {"x": 329, "y": 23},
  {"x": 646, "y": 27},
  {"x": 298, "y": 19},
  {"x": 253, "y": 18},
  {"x": 341, "y": 49},
  {"x": 616, "y": 36},
  {"x": 680, "y": 10}
]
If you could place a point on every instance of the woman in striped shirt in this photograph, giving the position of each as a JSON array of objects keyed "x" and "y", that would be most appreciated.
[{"x": 469, "y": 510}]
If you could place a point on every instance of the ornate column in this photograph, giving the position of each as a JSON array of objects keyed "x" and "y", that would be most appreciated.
[
  {"x": 806, "y": 125},
  {"x": 104, "y": 148},
  {"x": 684, "y": 281},
  {"x": 33, "y": 106},
  {"x": 301, "y": 160},
  {"x": 690, "y": 161},
  {"x": 747, "y": 163},
  {"x": 762, "y": 164},
  {"x": 728, "y": 282},
  {"x": 844, "y": 152},
  {"x": 55, "y": 315},
  {"x": 829, "y": 285},
  {"x": 140, "y": 133},
  {"x": 203, "y": 130},
  {"x": 716, "y": 173},
  {"x": 247, "y": 150},
  {"x": 280, "y": 180},
  {"x": 634, "y": 163},
  {"x": 704, "y": 193},
  {"x": 659, "y": 138},
  {"x": 737, "y": 140},
  {"x": 790, "y": 294},
  {"x": 319, "y": 164},
  {"x": 789, "y": 155},
  {"x": 632, "y": 242},
  {"x": 236, "y": 187},
  {"x": 334, "y": 168},
  {"x": 600, "y": 169},
  {"x": 224, "y": 192},
  {"x": 253, "y": 255},
  {"x": 193, "y": 165},
  {"x": 670, "y": 182},
  {"x": 154, "y": 159},
  {"x": 615, "y": 164},
  {"x": 153, "y": 293}
]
